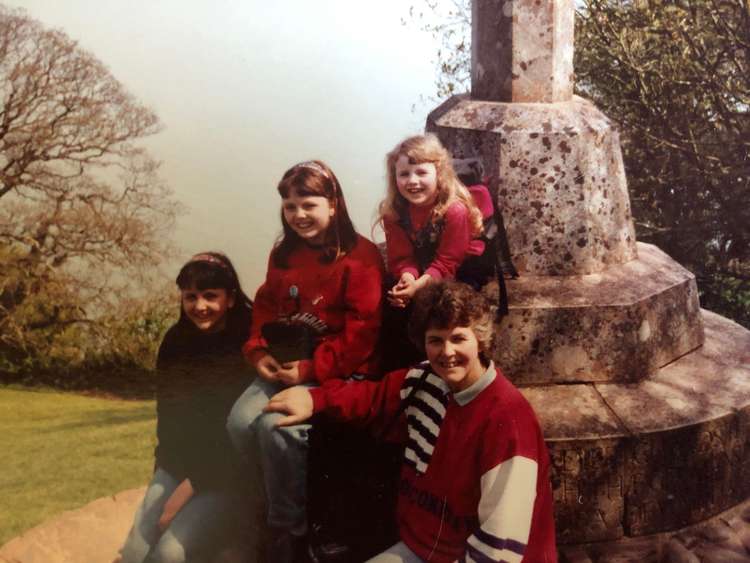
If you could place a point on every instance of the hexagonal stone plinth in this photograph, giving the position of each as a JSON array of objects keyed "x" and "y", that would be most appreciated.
[
  {"x": 619, "y": 325},
  {"x": 667, "y": 452},
  {"x": 558, "y": 174}
]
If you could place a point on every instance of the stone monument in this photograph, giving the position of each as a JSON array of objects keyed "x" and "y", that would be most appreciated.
[{"x": 644, "y": 398}]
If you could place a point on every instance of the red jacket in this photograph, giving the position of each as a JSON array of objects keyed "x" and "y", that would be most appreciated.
[
  {"x": 455, "y": 241},
  {"x": 475, "y": 479},
  {"x": 345, "y": 294}
]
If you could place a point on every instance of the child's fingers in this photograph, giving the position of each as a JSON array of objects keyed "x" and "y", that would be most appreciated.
[
  {"x": 268, "y": 375},
  {"x": 397, "y": 302}
]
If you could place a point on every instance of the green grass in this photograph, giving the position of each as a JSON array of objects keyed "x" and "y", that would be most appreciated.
[{"x": 60, "y": 451}]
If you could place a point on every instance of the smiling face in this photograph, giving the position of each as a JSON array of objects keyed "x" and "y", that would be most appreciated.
[
  {"x": 417, "y": 183},
  {"x": 309, "y": 216},
  {"x": 207, "y": 308},
  {"x": 454, "y": 356}
]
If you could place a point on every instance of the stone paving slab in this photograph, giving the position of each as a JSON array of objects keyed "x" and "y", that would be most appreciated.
[
  {"x": 91, "y": 534},
  {"x": 722, "y": 539}
]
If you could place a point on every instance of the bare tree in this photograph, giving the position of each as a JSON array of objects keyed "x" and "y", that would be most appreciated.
[{"x": 81, "y": 205}]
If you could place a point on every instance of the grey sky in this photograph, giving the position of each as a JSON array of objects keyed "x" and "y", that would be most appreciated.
[{"x": 245, "y": 89}]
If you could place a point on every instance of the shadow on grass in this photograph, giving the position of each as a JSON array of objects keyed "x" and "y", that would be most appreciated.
[
  {"x": 146, "y": 413},
  {"x": 112, "y": 383}
]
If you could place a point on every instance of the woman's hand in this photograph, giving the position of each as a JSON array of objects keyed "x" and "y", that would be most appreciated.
[
  {"x": 179, "y": 498},
  {"x": 295, "y": 402},
  {"x": 268, "y": 368}
]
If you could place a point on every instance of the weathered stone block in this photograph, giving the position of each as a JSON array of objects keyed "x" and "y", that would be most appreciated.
[
  {"x": 586, "y": 448},
  {"x": 559, "y": 178},
  {"x": 599, "y": 327},
  {"x": 522, "y": 50}
]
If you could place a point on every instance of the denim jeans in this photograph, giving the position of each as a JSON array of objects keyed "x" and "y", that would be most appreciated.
[
  {"x": 200, "y": 529},
  {"x": 282, "y": 450},
  {"x": 398, "y": 553}
]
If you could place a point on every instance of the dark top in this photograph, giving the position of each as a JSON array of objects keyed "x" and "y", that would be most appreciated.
[{"x": 199, "y": 377}]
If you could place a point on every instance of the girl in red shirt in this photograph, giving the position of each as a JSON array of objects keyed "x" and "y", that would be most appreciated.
[
  {"x": 432, "y": 222},
  {"x": 433, "y": 230},
  {"x": 316, "y": 317}
]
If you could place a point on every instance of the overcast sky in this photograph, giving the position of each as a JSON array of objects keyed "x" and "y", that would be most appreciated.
[{"x": 245, "y": 89}]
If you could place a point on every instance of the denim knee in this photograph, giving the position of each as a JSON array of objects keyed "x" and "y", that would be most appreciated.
[
  {"x": 245, "y": 411},
  {"x": 168, "y": 550},
  {"x": 278, "y": 437}
]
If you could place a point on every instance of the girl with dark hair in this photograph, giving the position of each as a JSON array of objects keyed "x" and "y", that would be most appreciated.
[
  {"x": 316, "y": 318},
  {"x": 191, "y": 507}
]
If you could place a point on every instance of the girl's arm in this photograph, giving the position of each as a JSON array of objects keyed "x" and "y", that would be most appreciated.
[
  {"x": 399, "y": 251},
  {"x": 179, "y": 498},
  {"x": 454, "y": 243},
  {"x": 265, "y": 309},
  {"x": 341, "y": 354},
  {"x": 170, "y": 401}
]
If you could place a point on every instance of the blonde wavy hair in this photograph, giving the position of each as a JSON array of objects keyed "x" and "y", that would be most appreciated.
[{"x": 420, "y": 149}]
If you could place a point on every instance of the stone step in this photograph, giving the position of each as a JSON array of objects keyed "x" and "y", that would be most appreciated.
[
  {"x": 632, "y": 459},
  {"x": 618, "y": 325},
  {"x": 725, "y": 538}
]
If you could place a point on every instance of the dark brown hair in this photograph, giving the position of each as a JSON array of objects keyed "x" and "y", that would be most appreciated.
[
  {"x": 214, "y": 270},
  {"x": 315, "y": 178},
  {"x": 449, "y": 304}
]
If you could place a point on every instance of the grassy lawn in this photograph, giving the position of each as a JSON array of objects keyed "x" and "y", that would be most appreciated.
[{"x": 59, "y": 451}]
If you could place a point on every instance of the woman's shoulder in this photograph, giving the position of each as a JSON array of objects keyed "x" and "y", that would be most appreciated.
[{"x": 508, "y": 403}]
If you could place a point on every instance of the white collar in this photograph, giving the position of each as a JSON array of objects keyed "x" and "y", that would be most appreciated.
[{"x": 465, "y": 396}]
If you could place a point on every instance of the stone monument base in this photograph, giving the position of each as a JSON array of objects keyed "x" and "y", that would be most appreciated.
[
  {"x": 633, "y": 459},
  {"x": 618, "y": 325}
]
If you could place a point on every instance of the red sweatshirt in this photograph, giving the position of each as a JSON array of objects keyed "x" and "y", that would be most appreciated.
[
  {"x": 345, "y": 294},
  {"x": 475, "y": 479},
  {"x": 455, "y": 242}
]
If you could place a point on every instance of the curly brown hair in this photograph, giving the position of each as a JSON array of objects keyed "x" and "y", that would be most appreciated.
[{"x": 448, "y": 304}]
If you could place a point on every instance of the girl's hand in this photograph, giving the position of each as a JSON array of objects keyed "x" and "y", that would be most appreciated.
[
  {"x": 290, "y": 373},
  {"x": 404, "y": 290},
  {"x": 295, "y": 402},
  {"x": 181, "y": 495},
  {"x": 401, "y": 293},
  {"x": 268, "y": 368}
]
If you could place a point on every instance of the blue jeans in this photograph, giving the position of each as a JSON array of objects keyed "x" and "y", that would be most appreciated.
[
  {"x": 199, "y": 530},
  {"x": 398, "y": 553},
  {"x": 283, "y": 454}
]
